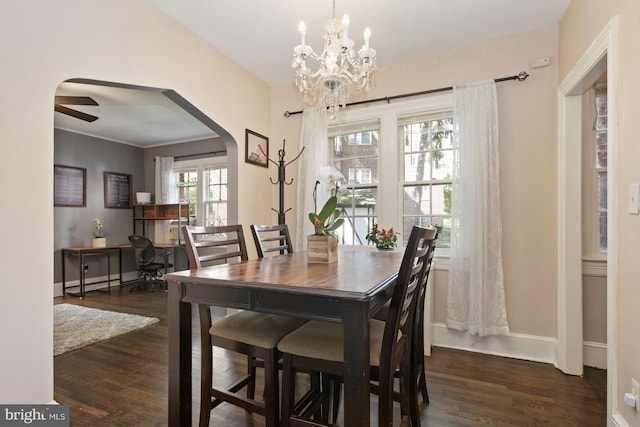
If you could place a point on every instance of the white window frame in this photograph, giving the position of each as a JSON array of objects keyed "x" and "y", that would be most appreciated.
[
  {"x": 201, "y": 165},
  {"x": 390, "y": 180}
]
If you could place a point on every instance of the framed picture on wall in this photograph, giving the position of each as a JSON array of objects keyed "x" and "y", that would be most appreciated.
[
  {"x": 117, "y": 190},
  {"x": 257, "y": 149},
  {"x": 69, "y": 186}
]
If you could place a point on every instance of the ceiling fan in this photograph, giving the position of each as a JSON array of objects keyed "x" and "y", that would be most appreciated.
[{"x": 75, "y": 100}]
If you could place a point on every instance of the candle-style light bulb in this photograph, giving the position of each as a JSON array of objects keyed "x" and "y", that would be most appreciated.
[
  {"x": 303, "y": 30},
  {"x": 367, "y": 36},
  {"x": 345, "y": 29}
]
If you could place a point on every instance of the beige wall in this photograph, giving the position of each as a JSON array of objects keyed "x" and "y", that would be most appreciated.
[
  {"x": 527, "y": 115},
  {"x": 124, "y": 41},
  {"x": 581, "y": 24}
]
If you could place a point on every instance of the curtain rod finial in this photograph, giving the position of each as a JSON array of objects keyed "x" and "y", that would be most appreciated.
[{"x": 522, "y": 76}]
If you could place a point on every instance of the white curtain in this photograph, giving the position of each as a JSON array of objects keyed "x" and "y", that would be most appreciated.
[
  {"x": 476, "y": 301},
  {"x": 166, "y": 190},
  {"x": 313, "y": 136}
]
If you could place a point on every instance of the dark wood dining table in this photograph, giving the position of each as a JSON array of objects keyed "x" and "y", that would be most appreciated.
[{"x": 348, "y": 291}]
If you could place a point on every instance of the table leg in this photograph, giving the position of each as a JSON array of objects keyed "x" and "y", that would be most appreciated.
[
  {"x": 120, "y": 265},
  {"x": 357, "y": 371},
  {"x": 64, "y": 274},
  {"x": 81, "y": 275},
  {"x": 109, "y": 271},
  {"x": 180, "y": 370}
]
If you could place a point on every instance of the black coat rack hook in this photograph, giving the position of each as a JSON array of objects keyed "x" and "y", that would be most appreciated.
[{"x": 281, "y": 164}]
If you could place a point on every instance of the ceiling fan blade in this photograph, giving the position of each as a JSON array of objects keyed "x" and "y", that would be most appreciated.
[
  {"x": 75, "y": 113},
  {"x": 75, "y": 100}
]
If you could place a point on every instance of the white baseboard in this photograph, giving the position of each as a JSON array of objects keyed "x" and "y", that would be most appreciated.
[
  {"x": 57, "y": 287},
  {"x": 594, "y": 354},
  {"x": 517, "y": 346},
  {"x": 617, "y": 420}
]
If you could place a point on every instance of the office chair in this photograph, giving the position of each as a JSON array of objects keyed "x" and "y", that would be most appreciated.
[{"x": 145, "y": 256}]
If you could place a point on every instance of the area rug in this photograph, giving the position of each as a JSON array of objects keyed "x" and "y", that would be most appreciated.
[{"x": 75, "y": 326}]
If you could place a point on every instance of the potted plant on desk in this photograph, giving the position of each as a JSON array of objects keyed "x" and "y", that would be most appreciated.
[
  {"x": 99, "y": 239},
  {"x": 323, "y": 245}
]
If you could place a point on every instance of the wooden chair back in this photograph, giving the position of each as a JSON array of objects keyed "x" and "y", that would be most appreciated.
[
  {"x": 211, "y": 245},
  {"x": 404, "y": 299},
  {"x": 271, "y": 238}
]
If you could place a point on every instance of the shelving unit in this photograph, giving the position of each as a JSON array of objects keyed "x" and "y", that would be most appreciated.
[{"x": 161, "y": 212}]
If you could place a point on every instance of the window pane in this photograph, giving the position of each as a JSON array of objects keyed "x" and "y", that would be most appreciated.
[
  {"x": 355, "y": 144},
  {"x": 440, "y": 199},
  {"x": 416, "y": 200},
  {"x": 416, "y": 167},
  {"x": 602, "y": 231},
  {"x": 442, "y": 164},
  {"x": 601, "y": 149},
  {"x": 602, "y": 190},
  {"x": 359, "y": 170},
  {"x": 216, "y": 214},
  {"x": 358, "y": 208}
]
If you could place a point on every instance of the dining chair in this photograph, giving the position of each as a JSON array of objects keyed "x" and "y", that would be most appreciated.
[
  {"x": 319, "y": 346},
  {"x": 271, "y": 238},
  {"x": 416, "y": 367},
  {"x": 417, "y": 370},
  {"x": 251, "y": 333}
]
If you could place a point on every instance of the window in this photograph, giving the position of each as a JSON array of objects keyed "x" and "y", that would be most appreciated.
[
  {"x": 397, "y": 159},
  {"x": 427, "y": 170},
  {"x": 594, "y": 173},
  {"x": 203, "y": 184},
  {"x": 187, "y": 182},
  {"x": 216, "y": 196},
  {"x": 355, "y": 154},
  {"x": 600, "y": 165}
]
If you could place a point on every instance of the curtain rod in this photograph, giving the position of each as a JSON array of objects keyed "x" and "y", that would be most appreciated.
[
  {"x": 522, "y": 76},
  {"x": 214, "y": 153}
]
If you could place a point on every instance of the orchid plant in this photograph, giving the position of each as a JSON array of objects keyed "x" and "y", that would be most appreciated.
[
  {"x": 328, "y": 219},
  {"x": 99, "y": 233}
]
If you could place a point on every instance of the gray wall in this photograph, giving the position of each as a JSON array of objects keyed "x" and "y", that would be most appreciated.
[
  {"x": 72, "y": 225},
  {"x": 594, "y": 295}
]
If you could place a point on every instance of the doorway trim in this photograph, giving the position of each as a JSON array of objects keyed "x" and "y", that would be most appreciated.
[{"x": 600, "y": 57}]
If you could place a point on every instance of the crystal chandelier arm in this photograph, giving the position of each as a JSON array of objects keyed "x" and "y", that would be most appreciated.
[{"x": 340, "y": 68}]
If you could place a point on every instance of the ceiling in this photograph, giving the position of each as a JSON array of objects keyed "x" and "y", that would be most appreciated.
[
  {"x": 135, "y": 116},
  {"x": 260, "y": 36}
]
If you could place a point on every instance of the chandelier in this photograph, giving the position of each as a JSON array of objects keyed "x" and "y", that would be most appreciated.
[{"x": 341, "y": 70}]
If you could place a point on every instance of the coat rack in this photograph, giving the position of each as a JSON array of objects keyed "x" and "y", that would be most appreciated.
[{"x": 281, "y": 181}]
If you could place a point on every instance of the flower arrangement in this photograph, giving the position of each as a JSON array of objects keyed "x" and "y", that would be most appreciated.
[
  {"x": 383, "y": 239},
  {"x": 98, "y": 234},
  {"x": 328, "y": 219}
]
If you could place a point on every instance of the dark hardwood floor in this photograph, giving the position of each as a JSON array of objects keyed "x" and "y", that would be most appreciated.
[{"x": 123, "y": 381}]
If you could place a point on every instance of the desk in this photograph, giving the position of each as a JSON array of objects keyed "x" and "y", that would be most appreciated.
[
  {"x": 85, "y": 251},
  {"x": 348, "y": 291}
]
